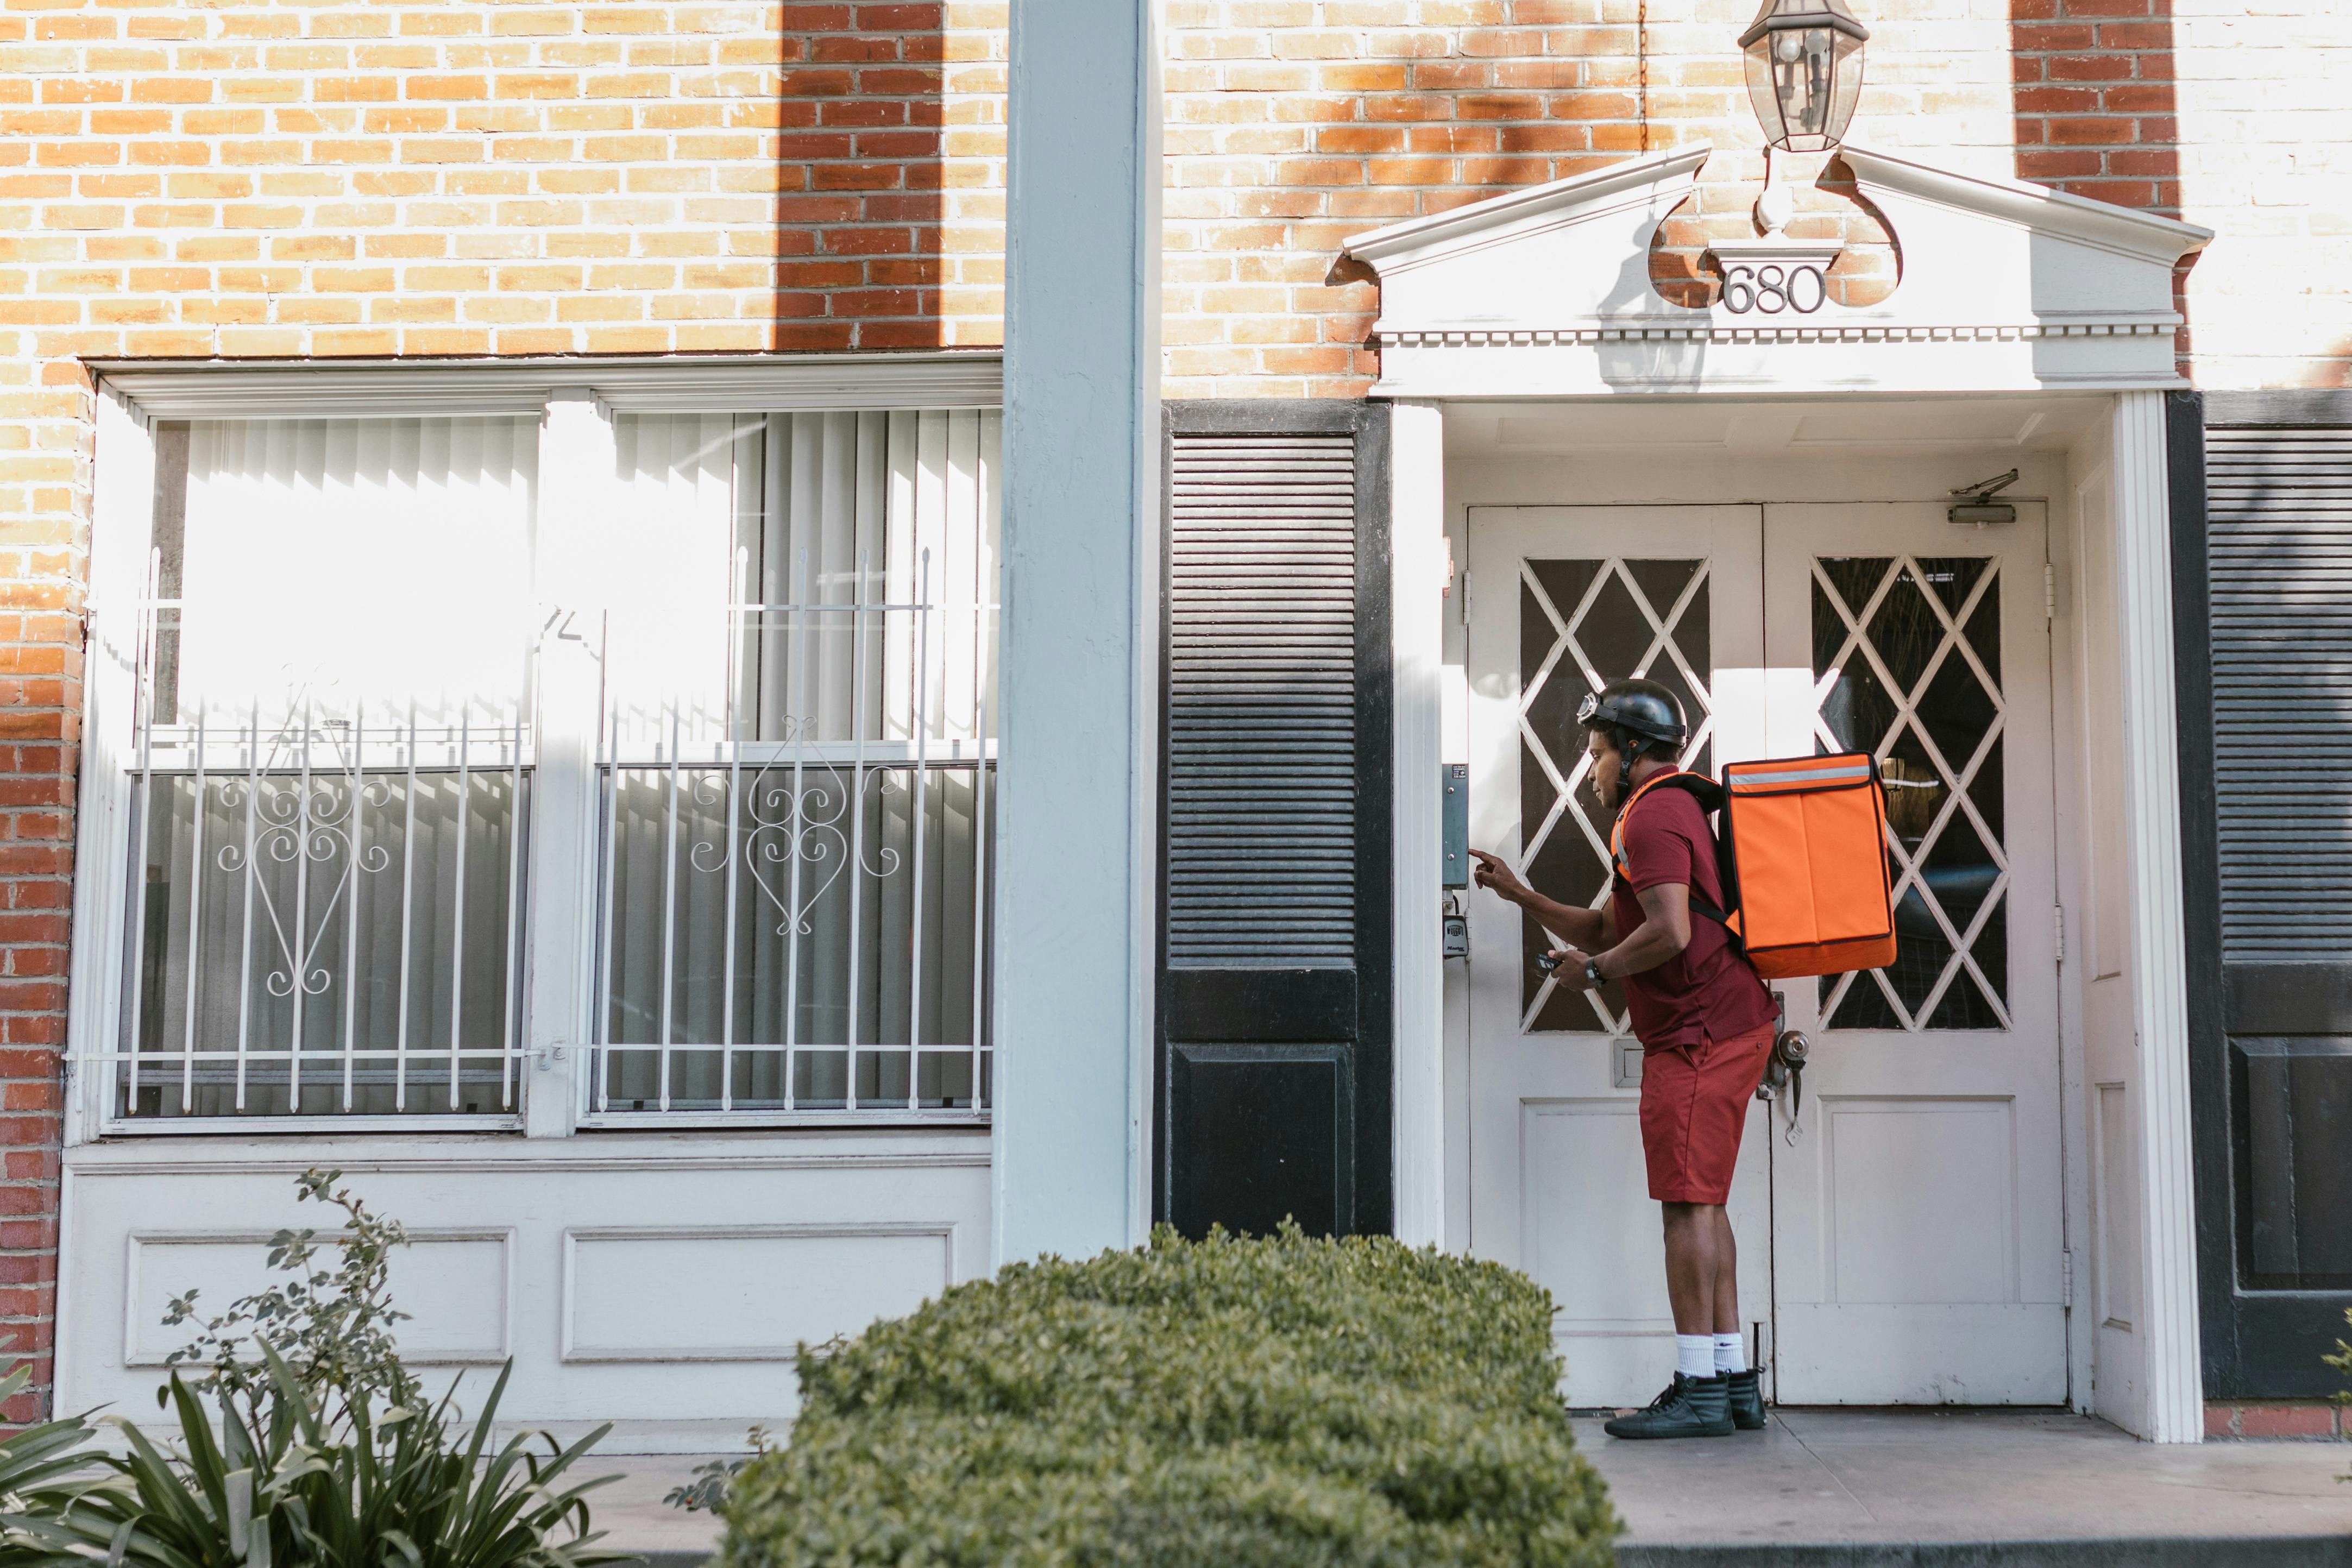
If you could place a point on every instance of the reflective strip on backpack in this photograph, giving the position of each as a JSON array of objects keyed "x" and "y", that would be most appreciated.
[{"x": 1748, "y": 779}]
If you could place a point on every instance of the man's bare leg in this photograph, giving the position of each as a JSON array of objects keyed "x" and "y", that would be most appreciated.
[
  {"x": 1697, "y": 1404},
  {"x": 1727, "y": 1275},
  {"x": 1696, "y": 1274}
]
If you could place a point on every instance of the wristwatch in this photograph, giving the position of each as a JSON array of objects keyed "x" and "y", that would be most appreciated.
[{"x": 1592, "y": 973}]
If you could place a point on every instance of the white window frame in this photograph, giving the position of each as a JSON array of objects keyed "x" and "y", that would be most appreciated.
[{"x": 576, "y": 401}]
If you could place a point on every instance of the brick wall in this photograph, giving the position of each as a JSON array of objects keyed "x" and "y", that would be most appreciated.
[
  {"x": 421, "y": 177},
  {"x": 1295, "y": 123},
  {"x": 2300, "y": 1420},
  {"x": 2095, "y": 108},
  {"x": 2266, "y": 162}
]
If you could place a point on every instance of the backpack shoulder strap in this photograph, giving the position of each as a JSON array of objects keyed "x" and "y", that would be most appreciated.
[
  {"x": 1655, "y": 781},
  {"x": 1697, "y": 786},
  {"x": 1710, "y": 798}
]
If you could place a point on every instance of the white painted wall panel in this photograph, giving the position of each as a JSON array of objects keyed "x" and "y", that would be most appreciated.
[
  {"x": 757, "y": 1292},
  {"x": 456, "y": 1288},
  {"x": 697, "y": 1263}
]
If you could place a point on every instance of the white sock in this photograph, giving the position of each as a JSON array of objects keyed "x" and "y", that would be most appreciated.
[
  {"x": 1695, "y": 1354},
  {"x": 1730, "y": 1354}
]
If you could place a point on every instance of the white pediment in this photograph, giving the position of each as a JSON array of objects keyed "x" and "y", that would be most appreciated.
[{"x": 1546, "y": 292}]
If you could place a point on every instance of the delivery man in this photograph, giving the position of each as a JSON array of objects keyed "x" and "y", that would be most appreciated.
[{"x": 1706, "y": 1023}]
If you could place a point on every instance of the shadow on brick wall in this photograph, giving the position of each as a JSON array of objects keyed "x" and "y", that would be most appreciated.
[{"x": 866, "y": 254}]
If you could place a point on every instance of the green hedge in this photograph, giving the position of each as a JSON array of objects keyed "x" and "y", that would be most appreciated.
[{"x": 1286, "y": 1403}]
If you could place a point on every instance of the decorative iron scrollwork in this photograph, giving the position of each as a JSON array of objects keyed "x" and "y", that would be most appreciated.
[
  {"x": 306, "y": 821},
  {"x": 1771, "y": 287},
  {"x": 789, "y": 815}
]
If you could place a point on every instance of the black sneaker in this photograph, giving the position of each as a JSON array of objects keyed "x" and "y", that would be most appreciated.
[
  {"x": 1690, "y": 1407},
  {"x": 1744, "y": 1395}
]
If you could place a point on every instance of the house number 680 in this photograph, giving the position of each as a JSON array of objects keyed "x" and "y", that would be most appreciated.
[{"x": 1772, "y": 290}]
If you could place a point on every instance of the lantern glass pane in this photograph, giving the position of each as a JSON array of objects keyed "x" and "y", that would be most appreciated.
[
  {"x": 1801, "y": 73},
  {"x": 1804, "y": 83},
  {"x": 1848, "y": 89},
  {"x": 1757, "y": 58}
]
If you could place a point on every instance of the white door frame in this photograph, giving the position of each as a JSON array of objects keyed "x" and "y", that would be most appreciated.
[{"x": 2131, "y": 427}]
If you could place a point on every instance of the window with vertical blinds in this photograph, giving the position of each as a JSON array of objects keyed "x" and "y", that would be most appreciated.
[
  {"x": 333, "y": 748},
  {"x": 2279, "y": 537},
  {"x": 1262, "y": 767},
  {"x": 798, "y": 761},
  {"x": 340, "y": 733}
]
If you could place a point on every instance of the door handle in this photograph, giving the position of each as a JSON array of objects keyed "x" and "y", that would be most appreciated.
[{"x": 1784, "y": 1073}]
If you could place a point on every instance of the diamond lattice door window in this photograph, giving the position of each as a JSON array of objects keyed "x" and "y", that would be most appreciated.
[
  {"x": 1584, "y": 622},
  {"x": 1906, "y": 661}
]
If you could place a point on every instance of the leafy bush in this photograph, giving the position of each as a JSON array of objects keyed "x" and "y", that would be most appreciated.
[
  {"x": 1227, "y": 1403},
  {"x": 318, "y": 1448},
  {"x": 33, "y": 1458},
  {"x": 2342, "y": 1362},
  {"x": 353, "y": 1492},
  {"x": 331, "y": 1328},
  {"x": 707, "y": 1491}
]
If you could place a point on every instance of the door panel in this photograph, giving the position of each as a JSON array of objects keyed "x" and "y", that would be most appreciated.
[
  {"x": 1564, "y": 599},
  {"x": 1903, "y": 1237},
  {"x": 1917, "y": 1223}
]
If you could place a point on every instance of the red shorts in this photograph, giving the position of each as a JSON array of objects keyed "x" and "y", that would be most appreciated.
[{"x": 1694, "y": 1106}]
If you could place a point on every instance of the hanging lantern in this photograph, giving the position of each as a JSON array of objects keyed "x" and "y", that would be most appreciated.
[{"x": 1804, "y": 71}]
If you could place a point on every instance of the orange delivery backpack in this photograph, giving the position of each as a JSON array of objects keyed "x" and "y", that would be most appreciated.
[{"x": 1801, "y": 849}]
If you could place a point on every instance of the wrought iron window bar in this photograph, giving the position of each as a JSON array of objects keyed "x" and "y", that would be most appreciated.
[
  {"x": 293, "y": 782},
  {"x": 768, "y": 817}
]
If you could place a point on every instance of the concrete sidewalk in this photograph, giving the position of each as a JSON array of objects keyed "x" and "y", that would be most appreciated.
[
  {"x": 1841, "y": 1489},
  {"x": 1989, "y": 1487}
]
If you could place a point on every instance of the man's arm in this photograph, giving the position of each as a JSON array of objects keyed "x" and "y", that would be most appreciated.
[
  {"x": 1579, "y": 927},
  {"x": 1664, "y": 931}
]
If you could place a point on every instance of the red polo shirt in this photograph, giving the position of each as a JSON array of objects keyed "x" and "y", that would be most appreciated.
[{"x": 1708, "y": 988}]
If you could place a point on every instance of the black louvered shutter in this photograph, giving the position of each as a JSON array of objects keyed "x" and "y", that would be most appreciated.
[
  {"x": 2274, "y": 1143},
  {"x": 1274, "y": 1013},
  {"x": 2279, "y": 535}
]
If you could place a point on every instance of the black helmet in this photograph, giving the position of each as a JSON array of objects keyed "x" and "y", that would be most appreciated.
[{"x": 1642, "y": 709}]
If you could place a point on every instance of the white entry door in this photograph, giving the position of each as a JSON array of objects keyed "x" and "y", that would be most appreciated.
[
  {"x": 1904, "y": 1246},
  {"x": 1917, "y": 1223},
  {"x": 1561, "y": 599}
]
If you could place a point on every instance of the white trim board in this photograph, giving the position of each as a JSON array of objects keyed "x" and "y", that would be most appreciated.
[
  {"x": 1546, "y": 293},
  {"x": 674, "y": 383},
  {"x": 1418, "y": 565},
  {"x": 479, "y": 1153}
]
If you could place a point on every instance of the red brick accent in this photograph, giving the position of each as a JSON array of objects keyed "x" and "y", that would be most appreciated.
[
  {"x": 2308, "y": 1419},
  {"x": 2096, "y": 112},
  {"x": 2096, "y": 108}
]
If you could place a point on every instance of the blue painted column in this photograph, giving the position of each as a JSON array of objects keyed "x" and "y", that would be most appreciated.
[{"x": 1077, "y": 760}]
